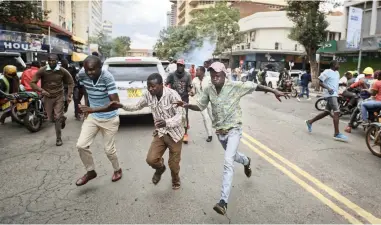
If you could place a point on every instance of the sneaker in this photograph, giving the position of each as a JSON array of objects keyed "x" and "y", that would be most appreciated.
[
  {"x": 247, "y": 168},
  {"x": 341, "y": 137},
  {"x": 309, "y": 126},
  {"x": 59, "y": 142},
  {"x": 298, "y": 99},
  {"x": 221, "y": 207},
  {"x": 309, "y": 99}
]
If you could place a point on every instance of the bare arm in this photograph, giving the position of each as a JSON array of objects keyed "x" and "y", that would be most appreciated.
[{"x": 135, "y": 107}]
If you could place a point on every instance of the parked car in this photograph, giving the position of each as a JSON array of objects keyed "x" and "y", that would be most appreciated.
[{"x": 130, "y": 74}]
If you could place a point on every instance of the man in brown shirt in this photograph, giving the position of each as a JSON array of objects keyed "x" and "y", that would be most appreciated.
[{"x": 53, "y": 78}]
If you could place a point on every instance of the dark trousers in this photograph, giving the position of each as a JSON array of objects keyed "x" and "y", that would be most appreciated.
[
  {"x": 77, "y": 97},
  {"x": 54, "y": 108},
  {"x": 157, "y": 150},
  {"x": 306, "y": 90}
]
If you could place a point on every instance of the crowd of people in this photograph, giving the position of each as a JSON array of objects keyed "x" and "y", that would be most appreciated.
[{"x": 216, "y": 96}]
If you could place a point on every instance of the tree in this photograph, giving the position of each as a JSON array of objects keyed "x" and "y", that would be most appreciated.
[
  {"x": 121, "y": 45},
  {"x": 177, "y": 40},
  {"x": 310, "y": 27},
  {"x": 220, "y": 24},
  {"x": 104, "y": 45},
  {"x": 21, "y": 12}
]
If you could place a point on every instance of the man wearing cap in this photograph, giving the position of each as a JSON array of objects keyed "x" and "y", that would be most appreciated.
[
  {"x": 224, "y": 96},
  {"x": 181, "y": 81}
]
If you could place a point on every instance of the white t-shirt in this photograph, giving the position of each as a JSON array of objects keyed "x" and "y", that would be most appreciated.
[
  {"x": 342, "y": 80},
  {"x": 172, "y": 68}
]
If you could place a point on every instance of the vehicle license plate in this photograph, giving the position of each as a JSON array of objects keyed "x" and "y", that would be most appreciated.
[
  {"x": 134, "y": 93},
  {"x": 5, "y": 106},
  {"x": 22, "y": 106}
]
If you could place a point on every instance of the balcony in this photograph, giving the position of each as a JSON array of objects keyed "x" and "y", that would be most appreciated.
[
  {"x": 181, "y": 14},
  {"x": 181, "y": 21},
  {"x": 173, "y": 1},
  {"x": 182, "y": 5},
  {"x": 200, "y": 8},
  {"x": 193, "y": 2}
]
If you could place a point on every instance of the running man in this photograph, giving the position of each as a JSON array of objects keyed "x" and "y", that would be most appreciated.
[
  {"x": 169, "y": 129},
  {"x": 224, "y": 96},
  {"x": 199, "y": 83},
  {"x": 329, "y": 80},
  {"x": 100, "y": 91}
]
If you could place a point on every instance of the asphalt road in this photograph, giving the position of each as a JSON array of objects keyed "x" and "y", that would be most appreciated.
[{"x": 297, "y": 177}]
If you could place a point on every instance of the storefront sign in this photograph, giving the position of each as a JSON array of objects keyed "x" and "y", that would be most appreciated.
[
  {"x": 22, "y": 42},
  {"x": 354, "y": 28},
  {"x": 328, "y": 47}
]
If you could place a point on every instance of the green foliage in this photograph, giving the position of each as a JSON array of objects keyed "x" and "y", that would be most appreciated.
[
  {"x": 121, "y": 45},
  {"x": 115, "y": 47},
  {"x": 21, "y": 12},
  {"x": 220, "y": 24},
  {"x": 175, "y": 40}
]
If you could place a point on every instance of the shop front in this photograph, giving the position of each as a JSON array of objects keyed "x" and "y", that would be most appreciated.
[{"x": 276, "y": 61}]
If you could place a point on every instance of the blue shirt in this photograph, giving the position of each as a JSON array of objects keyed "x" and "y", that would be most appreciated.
[
  {"x": 331, "y": 79},
  {"x": 98, "y": 93},
  {"x": 305, "y": 79}
]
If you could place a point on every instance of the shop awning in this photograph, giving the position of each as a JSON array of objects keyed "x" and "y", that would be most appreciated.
[
  {"x": 78, "y": 57},
  {"x": 78, "y": 39}
]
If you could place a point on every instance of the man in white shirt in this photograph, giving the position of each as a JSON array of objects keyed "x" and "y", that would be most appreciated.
[{"x": 198, "y": 85}]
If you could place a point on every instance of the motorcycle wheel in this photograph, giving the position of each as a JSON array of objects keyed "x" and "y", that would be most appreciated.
[
  {"x": 320, "y": 104},
  {"x": 373, "y": 138},
  {"x": 358, "y": 118},
  {"x": 15, "y": 116},
  {"x": 294, "y": 92},
  {"x": 32, "y": 120}
]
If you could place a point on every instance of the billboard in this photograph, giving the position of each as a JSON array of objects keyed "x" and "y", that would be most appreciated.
[{"x": 354, "y": 27}]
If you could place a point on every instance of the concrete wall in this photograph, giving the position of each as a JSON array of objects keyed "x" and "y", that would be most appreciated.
[
  {"x": 267, "y": 37},
  {"x": 82, "y": 19}
]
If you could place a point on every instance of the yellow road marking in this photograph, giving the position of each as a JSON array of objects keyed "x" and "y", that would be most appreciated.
[
  {"x": 306, "y": 186},
  {"x": 360, "y": 211}
]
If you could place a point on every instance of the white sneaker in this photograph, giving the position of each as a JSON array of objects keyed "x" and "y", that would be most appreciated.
[
  {"x": 308, "y": 99},
  {"x": 298, "y": 99}
]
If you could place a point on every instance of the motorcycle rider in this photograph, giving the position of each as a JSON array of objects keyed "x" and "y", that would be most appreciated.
[
  {"x": 375, "y": 103},
  {"x": 9, "y": 83},
  {"x": 363, "y": 84}
]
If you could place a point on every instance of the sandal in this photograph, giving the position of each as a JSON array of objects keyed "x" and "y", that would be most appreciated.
[
  {"x": 176, "y": 185},
  {"x": 157, "y": 175}
]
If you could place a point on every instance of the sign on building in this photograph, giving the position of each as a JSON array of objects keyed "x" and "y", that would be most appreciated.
[{"x": 354, "y": 27}]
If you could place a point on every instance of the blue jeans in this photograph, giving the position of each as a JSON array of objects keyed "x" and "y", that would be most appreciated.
[
  {"x": 369, "y": 105},
  {"x": 306, "y": 90},
  {"x": 230, "y": 143}
]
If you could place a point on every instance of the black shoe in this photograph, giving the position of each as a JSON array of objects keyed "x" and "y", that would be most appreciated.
[
  {"x": 63, "y": 123},
  {"x": 247, "y": 168},
  {"x": 209, "y": 139},
  {"x": 221, "y": 207},
  {"x": 59, "y": 142}
]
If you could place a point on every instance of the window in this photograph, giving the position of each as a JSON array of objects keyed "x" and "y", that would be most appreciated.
[
  {"x": 339, "y": 37},
  {"x": 331, "y": 36},
  {"x": 296, "y": 47},
  {"x": 12, "y": 60},
  {"x": 252, "y": 35},
  {"x": 276, "y": 45},
  {"x": 132, "y": 72}
]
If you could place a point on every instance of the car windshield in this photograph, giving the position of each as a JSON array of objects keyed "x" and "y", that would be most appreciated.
[
  {"x": 11, "y": 60},
  {"x": 132, "y": 72}
]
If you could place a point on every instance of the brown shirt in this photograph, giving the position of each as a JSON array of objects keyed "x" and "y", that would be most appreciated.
[{"x": 52, "y": 81}]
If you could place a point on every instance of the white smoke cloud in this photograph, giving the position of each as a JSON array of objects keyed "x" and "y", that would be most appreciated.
[{"x": 198, "y": 55}]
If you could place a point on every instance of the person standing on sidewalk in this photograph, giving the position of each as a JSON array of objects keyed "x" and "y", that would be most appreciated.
[
  {"x": 181, "y": 82},
  {"x": 329, "y": 80},
  {"x": 53, "y": 79},
  {"x": 199, "y": 83},
  {"x": 305, "y": 79},
  {"x": 100, "y": 92},
  {"x": 168, "y": 127},
  {"x": 224, "y": 96}
]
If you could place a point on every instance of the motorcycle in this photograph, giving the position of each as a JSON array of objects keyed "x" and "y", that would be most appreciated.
[
  {"x": 287, "y": 85},
  {"x": 373, "y": 133},
  {"x": 28, "y": 108},
  {"x": 321, "y": 103}
]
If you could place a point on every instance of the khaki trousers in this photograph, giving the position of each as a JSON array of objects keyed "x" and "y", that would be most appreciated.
[
  {"x": 90, "y": 128},
  {"x": 157, "y": 150},
  {"x": 54, "y": 108}
]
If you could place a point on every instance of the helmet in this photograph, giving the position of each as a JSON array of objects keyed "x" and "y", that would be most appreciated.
[
  {"x": 10, "y": 71},
  {"x": 368, "y": 71}
]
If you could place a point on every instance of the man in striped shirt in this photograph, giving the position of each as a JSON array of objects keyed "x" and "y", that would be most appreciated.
[
  {"x": 100, "y": 91},
  {"x": 169, "y": 128}
]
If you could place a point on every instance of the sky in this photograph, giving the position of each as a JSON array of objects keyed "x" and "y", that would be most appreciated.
[{"x": 141, "y": 20}]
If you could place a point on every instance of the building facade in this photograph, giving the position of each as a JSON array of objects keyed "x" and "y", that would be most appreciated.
[
  {"x": 266, "y": 42},
  {"x": 172, "y": 15},
  {"x": 107, "y": 29},
  {"x": 187, "y": 8}
]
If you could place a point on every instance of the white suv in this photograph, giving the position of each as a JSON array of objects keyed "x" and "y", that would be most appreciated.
[{"x": 130, "y": 74}]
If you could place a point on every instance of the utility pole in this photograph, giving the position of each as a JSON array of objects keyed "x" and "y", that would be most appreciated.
[{"x": 361, "y": 41}]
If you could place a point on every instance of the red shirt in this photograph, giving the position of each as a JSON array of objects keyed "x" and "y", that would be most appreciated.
[
  {"x": 377, "y": 87},
  {"x": 27, "y": 76}
]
